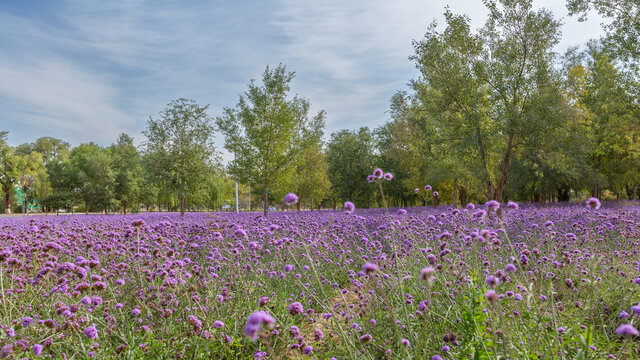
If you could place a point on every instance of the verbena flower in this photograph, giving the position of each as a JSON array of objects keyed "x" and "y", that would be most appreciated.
[
  {"x": 255, "y": 321},
  {"x": 593, "y": 203},
  {"x": 91, "y": 332},
  {"x": 627, "y": 330},
  {"x": 349, "y": 207},
  {"x": 290, "y": 199}
]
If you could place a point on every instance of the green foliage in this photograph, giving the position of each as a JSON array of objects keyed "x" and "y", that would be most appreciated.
[
  {"x": 622, "y": 27},
  {"x": 268, "y": 131},
  {"x": 350, "y": 158},
  {"x": 127, "y": 169},
  {"x": 180, "y": 147},
  {"x": 89, "y": 174}
]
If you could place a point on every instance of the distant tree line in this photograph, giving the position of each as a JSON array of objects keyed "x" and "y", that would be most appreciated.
[{"x": 494, "y": 114}]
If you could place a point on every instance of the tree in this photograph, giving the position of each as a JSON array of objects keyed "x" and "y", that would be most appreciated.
[
  {"x": 26, "y": 171},
  {"x": 623, "y": 31},
  {"x": 89, "y": 175},
  {"x": 483, "y": 84},
  {"x": 127, "y": 168},
  {"x": 311, "y": 180},
  {"x": 350, "y": 158},
  {"x": 180, "y": 147},
  {"x": 268, "y": 131}
]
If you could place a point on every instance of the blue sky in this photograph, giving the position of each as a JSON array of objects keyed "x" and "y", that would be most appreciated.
[{"x": 88, "y": 70}]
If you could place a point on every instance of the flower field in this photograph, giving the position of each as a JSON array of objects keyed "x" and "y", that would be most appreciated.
[{"x": 476, "y": 283}]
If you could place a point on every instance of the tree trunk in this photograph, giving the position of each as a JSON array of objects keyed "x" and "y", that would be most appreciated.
[
  {"x": 463, "y": 196},
  {"x": 86, "y": 206},
  {"x": 455, "y": 193},
  {"x": 335, "y": 204},
  {"x": 7, "y": 201},
  {"x": 635, "y": 191},
  {"x": 181, "y": 196},
  {"x": 266, "y": 200},
  {"x": 505, "y": 170},
  {"x": 298, "y": 205}
]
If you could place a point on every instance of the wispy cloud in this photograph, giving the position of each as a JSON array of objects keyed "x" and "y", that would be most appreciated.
[{"x": 85, "y": 71}]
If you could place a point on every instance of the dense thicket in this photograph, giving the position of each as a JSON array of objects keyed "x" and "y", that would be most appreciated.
[{"x": 496, "y": 113}]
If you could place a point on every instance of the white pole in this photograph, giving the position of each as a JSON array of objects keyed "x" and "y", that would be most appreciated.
[{"x": 236, "y": 179}]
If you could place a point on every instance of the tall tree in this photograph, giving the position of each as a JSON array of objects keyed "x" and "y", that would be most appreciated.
[
  {"x": 23, "y": 170},
  {"x": 623, "y": 29},
  {"x": 180, "y": 147},
  {"x": 89, "y": 174},
  {"x": 484, "y": 83},
  {"x": 127, "y": 168},
  {"x": 310, "y": 177},
  {"x": 350, "y": 157},
  {"x": 268, "y": 130}
]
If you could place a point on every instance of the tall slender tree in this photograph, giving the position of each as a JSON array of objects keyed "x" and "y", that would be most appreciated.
[
  {"x": 180, "y": 147},
  {"x": 268, "y": 130}
]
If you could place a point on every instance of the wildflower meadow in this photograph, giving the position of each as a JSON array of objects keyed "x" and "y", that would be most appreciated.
[{"x": 488, "y": 281}]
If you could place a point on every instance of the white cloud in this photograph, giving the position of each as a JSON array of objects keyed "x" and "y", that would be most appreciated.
[{"x": 62, "y": 98}]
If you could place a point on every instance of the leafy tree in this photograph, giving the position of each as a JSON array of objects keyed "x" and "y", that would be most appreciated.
[
  {"x": 483, "y": 84},
  {"x": 268, "y": 131},
  {"x": 350, "y": 158},
  {"x": 180, "y": 147},
  {"x": 623, "y": 29},
  {"x": 310, "y": 177},
  {"x": 26, "y": 171},
  {"x": 127, "y": 168},
  {"x": 89, "y": 175},
  {"x": 53, "y": 150}
]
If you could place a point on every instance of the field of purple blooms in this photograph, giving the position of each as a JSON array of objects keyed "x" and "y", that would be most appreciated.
[{"x": 527, "y": 283}]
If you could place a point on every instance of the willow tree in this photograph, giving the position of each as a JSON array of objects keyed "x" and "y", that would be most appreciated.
[
  {"x": 180, "y": 147},
  {"x": 268, "y": 131}
]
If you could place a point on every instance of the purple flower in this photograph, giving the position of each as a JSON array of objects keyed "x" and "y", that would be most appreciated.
[
  {"x": 264, "y": 300},
  {"x": 307, "y": 350},
  {"x": 427, "y": 273},
  {"x": 288, "y": 268},
  {"x": 371, "y": 179},
  {"x": 369, "y": 268},
  {"x": 635, "y": 309},
  {"x": 37, "y": 349},
  {"x": 492, "y": 281},
  {"x": 365, "y": 338},
  {"x": 26, "y": 321},
  {"x": 436, "y": 194},
  {"x": 91, "y": 332},
  {"x": 255, "y": 321},
  {"x": 295, "y": 308},
  {"x": 593, "y": 203},
  {"x": 492, "y": 205},
  {"x": 512, "y": 205},
  {"x": 627, "y": 330},
  {"x": 416, "y": 190},
  {"x": 218, "y": 324},
  {"x": 388, "y": 176},
  {"x": 405, "y": 342},
  {"x": 378, "y": 173},
  {"x": 491, "y": 296},
  {"x": 349, "y": 207},
  {"x": 401, "y": 212},
  {"x": 135, "y": 312},
  {"x": 290, "y": 199},
  {"x": 427, "y": 187},
  {"x": 436, "y": 357},
  {"x": 510, "y": 268}
]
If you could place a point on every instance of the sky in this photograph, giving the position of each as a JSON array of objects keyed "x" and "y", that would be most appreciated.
[{"x": 84, "y": 70}]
